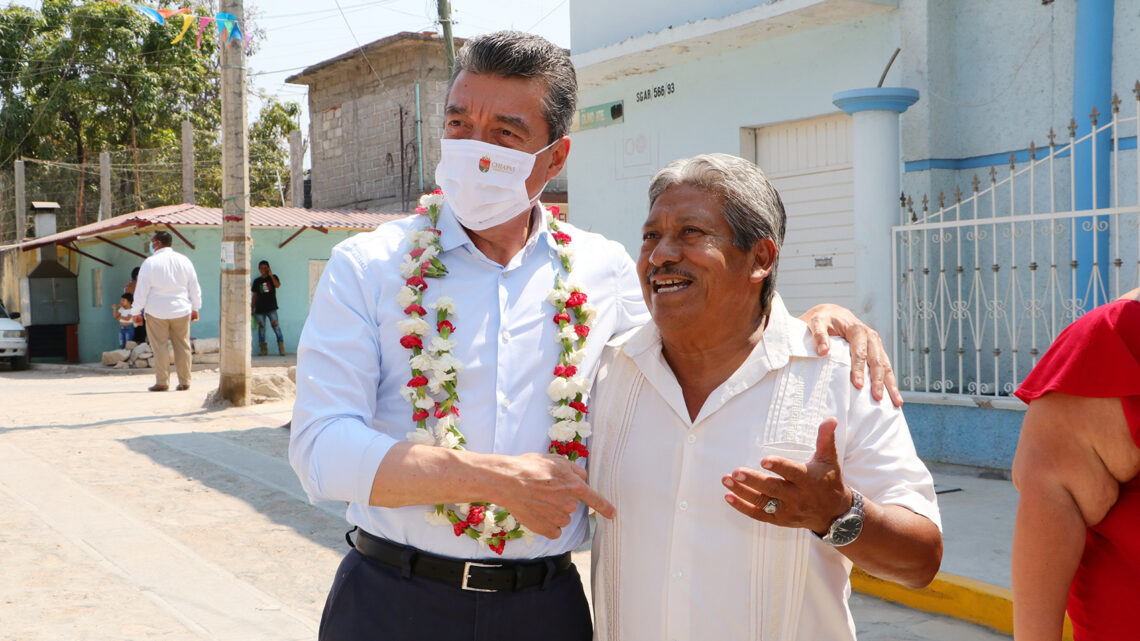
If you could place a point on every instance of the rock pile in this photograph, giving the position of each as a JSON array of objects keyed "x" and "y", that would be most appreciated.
[{"x": 140, "y": 355}]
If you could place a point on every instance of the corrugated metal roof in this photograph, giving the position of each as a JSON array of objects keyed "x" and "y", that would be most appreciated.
[{"x": 186, "y": 214}]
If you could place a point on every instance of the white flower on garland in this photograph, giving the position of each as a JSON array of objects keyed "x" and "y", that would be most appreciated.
[
  {"x": 567, "y": 333},
  {"x": 440, "y": 344},
  {"x": 406, "y": 296},
  {"x": 425, "y": 403},
  {"x": 558, "y": 296},
  {"x": 409, "y": 268},
  {"x": 438, "y": 378},
  {"x": 422, "y": 362},
  {"x": 444, "y": 303},
  {"x": 589, "y": 312},
  {"x": 575, "y": 357},
  {"x": 563, "y": 412},
  {"x": 559, "y": 389},
  {"x": 563, "y": 431},
  {"x": 417, "y": 326},
  {"x": 421, "y": 437},
  {"x": 431, "y": 200}
]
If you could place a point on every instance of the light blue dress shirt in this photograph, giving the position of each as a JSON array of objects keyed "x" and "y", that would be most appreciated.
[{"x": 351, "y": 366}]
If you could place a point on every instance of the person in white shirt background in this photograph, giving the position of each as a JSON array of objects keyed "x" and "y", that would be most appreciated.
[
  {"x": 169, "y": 292},
  {"x": 723, "y": 390},
  {"x": 469, "y": 406}
]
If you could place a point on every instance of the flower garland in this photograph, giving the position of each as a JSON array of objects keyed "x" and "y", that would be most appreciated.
[{"x": 435, "y": 370}]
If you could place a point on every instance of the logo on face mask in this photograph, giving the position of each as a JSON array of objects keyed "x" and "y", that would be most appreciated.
[{"x": 484, "y": 164}]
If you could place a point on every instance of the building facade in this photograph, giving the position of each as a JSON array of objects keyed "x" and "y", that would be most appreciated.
[{"x": 1013, "y": 219}]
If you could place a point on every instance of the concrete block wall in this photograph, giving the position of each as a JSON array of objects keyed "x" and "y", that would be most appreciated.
[{"x": 355, "y": 125}]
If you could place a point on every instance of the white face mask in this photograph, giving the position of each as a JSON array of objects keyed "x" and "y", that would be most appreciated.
[{"x": 484, "y": 184}]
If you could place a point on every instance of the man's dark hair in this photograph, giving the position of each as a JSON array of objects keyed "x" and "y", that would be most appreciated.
[
  {"x": 514, "y": 54},
  {"x": 163, "y": 237},
  {"x": 127, "y": 296},
  {"x": 135, "y": 273},
  {"x": 264, "y": 262}
]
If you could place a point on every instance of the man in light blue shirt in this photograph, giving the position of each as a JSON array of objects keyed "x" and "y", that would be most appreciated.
[{"x": 417, "y": 572}]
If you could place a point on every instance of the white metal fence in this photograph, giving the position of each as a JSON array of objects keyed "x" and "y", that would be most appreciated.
[{"x": 984, "y": 281}]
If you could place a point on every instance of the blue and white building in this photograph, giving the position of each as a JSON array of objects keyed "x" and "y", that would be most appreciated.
[{"x": 954, "y": 194}]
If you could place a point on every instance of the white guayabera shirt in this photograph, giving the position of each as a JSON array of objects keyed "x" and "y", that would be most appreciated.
[
  {"x": 679, "y": 563},
  {"x": 351, "y": 366}
]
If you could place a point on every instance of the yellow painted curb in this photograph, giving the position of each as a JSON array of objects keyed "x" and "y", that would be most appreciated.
[{"x": 950, "y": 595}]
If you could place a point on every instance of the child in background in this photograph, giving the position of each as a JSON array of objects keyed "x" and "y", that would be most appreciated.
[{"x": 122, "y": 311}]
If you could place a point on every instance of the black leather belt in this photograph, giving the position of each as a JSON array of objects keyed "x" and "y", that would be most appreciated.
[{"x": 478, "y": 576}]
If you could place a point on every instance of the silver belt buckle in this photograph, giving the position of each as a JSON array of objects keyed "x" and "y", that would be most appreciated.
[{"x": 467, "y": 574}]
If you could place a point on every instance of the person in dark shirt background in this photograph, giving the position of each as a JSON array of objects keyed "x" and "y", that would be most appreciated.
[{"x": 264, "y": 306}]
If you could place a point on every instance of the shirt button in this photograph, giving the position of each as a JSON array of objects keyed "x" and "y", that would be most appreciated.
[
  {"x": 684, "y": 505},
  {"x": 677, "y": 574},
  {"x": 506, "y": 336},
  {"x": 692, "y": 438},
  {"x": 506, "y": 403}
]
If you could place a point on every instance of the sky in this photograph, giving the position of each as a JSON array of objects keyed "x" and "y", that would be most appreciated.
[{"x": 299, "y": 33}]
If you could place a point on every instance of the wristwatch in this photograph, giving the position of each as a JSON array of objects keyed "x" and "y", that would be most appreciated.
[{"x": 845, "y": 529}]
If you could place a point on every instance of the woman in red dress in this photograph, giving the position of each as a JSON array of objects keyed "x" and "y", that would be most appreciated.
[{"x": 1076, "y": 542}]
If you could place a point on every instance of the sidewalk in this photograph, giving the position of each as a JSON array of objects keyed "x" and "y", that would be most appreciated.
[
  {"x": 288, "y": 360},
  {"x": 978, "y": 510}
]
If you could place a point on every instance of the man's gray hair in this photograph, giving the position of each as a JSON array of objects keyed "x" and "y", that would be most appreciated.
[
  {"x": 750, "y": 203},
  {"x": 514, "y": 54}
]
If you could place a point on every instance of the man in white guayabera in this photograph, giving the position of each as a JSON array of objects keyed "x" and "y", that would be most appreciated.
[
  {"x": 723, "y": 390},
  {"x": 443, "y": 370}
]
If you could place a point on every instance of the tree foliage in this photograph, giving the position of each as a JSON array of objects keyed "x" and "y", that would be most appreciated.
[{"x": 82, "y": 76}]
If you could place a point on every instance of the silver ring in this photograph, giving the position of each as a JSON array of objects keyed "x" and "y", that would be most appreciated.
[{"x": 771, "y": 506}]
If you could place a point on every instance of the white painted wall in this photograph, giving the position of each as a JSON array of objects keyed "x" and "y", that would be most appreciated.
[
  {"x": 596, "y": 23},
  {"x": 775, "y": 81}
]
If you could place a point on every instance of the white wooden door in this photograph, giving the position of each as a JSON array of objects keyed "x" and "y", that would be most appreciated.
[
  {"x": 809, "y": 163},
  {"x": 316, "y": 268}
]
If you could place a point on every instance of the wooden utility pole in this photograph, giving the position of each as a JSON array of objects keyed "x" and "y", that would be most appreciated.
[
  {"x": 234, "y": 315},
  {"x": 21, "y": 206},
  {"x": 105, "y": 185},
  {"x": 444, "y": 7},
  {"x": 188, "y": 162},
  {"x": 296, "y": 169}
]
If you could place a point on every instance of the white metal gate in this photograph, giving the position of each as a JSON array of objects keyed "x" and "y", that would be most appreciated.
[{"x": 985, "y": 281}]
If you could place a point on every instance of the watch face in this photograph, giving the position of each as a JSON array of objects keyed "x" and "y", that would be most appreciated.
[{"x": 846, "y": 529}]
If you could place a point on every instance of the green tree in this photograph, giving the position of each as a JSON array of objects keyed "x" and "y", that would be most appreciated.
[
  {"x": 269, "y": 151},
  {"x": 81, "y": 76}
]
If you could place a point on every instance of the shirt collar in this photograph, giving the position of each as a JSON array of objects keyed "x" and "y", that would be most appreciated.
[{"x": 784, "y": 337}]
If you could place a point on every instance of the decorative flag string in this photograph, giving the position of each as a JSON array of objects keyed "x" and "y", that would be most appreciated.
[{"x": 228, "y": 27}]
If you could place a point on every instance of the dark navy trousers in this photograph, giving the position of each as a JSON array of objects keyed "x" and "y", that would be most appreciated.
[{"x": 371, "y": 600}]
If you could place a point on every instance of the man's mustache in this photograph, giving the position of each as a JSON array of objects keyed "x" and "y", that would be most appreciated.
[{"x": 668, "y": 271}]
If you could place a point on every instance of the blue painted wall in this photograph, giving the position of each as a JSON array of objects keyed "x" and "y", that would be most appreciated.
[
  {"x": 98, "y": 330},
  {"x": 964, "y": 435}
]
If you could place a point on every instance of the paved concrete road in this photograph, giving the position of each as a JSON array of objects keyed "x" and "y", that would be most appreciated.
[{"x": 139, "y": 516}]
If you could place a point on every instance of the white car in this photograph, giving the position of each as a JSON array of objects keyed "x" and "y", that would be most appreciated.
[{"x": 13, "y": 340}]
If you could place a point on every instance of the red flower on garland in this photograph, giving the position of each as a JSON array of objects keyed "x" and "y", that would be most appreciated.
[
  {"x": 421, "y": 210},
  {"x": 498, "y": 542},
  {"x": 418, "y": 381},
  {"x": 580, "y": 406},
  {"x": 475, "y": 516},
  {"x": 582, "y": 330},
  {"x": 561, "y": 316},
  {"x": 440, "y": 412},
  {"x": 565, "y": 371},
  {"x": 447, "y": 324},
  {"x": 459, "y": 528},
  {"x": 415, "y": 309},
  {"x": 577, "y": 299},
  {"x": 411, "y": 341},
  {"x": 417, "y": 252},
  {"x": 420, "y": 415},
  {"x": 418, "y": 282},
  {"x": 562, "y": 237}
]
